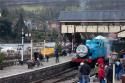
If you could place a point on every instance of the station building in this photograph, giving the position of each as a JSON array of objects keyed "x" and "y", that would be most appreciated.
[
  {"x": 95, "y": 17},
  {"x": 103, "y": 22},
  {"x": 78, "y": 26}
]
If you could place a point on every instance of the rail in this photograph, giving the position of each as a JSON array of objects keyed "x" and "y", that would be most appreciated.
[
  {"x": 55, "y": 78},
  {"x": 67, "y": 75}
]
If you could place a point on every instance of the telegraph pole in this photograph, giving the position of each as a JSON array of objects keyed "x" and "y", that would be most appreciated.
[{"x": 22, "y": 52}]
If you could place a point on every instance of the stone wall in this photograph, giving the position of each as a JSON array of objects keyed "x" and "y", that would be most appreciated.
[{"x": 36, "y": 74}]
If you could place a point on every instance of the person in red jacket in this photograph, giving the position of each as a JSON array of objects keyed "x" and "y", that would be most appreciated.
[{"x": 101, "y": 73}]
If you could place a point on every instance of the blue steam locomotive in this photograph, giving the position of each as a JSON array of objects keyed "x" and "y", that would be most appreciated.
[{"x": 93, "y": 49}]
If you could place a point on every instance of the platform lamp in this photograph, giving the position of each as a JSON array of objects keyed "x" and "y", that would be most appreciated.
[
  {"x": 31, "y": 43},
  {"x": 22, "y": 44}
]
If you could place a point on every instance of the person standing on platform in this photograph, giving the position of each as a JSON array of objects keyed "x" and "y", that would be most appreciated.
[
  {"x": 36, "y": 54},
  {"x": 37, "y": 58},
  {"x": 57, "y": 55},
  {"x": 47, "y": 58},
  {"x": 64, "y": 52},
  {"x": 101, "y": 73},
  {"x": 118, "y": 69},
  {"x": 40, "y": 57},
  {"x": 123, "y": 65},
  {"x": 79, "y": 73},
  {"x": 84, "y": 72},
  {"x": 109, "y": 73}
]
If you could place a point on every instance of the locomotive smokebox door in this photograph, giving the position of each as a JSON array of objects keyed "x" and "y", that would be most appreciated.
[{"x": 82, "y": 50}]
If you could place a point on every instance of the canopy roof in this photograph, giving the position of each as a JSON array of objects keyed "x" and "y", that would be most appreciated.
[{"x": 93, "y": 15}]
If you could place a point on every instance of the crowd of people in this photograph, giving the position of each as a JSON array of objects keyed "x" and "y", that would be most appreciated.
[
  {"x": 103, "y": 71},
  {"x": 38, "y": 58}
]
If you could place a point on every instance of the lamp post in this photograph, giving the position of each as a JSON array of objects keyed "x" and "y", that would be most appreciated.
[
  {"x": 44, "y": 48},
  {"x": 22, "y": 52}
]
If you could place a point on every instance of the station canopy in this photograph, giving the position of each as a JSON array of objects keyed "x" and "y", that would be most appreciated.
[{"x": 93, "y": 15}]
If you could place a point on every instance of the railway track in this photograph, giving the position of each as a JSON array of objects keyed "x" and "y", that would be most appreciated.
[
  {"x": 64, "y": 75},
  {"x": 67, "y": 76}
]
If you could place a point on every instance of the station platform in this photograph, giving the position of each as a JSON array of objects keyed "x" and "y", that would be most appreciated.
[
  {"x": 20, "y": 69},
  {"x": 91, "y": 80}
]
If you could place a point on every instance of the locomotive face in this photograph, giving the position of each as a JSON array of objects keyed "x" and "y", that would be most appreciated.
[{"x": 82, "y": 50}]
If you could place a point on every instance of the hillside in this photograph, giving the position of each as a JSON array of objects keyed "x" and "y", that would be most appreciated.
[{"x": 38, "y": 12}]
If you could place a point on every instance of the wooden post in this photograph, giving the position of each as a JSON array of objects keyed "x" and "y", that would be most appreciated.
[{"x": 113, "y": 72}]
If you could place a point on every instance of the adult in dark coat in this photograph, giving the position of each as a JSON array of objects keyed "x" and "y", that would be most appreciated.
[
  {"x": 109, "y": 73},
  {"x": 64, "y": 52},
  {"x": 36, "y": 55},
  {"x": 37, "y": 58},
  {"x": 84, "y": 72},
  {"x": 57, "y": 55}
]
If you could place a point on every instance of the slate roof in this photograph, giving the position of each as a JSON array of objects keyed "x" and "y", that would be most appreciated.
[
  {"x": 104, "y": 4},
  {"x": 92, "y": 15}
]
